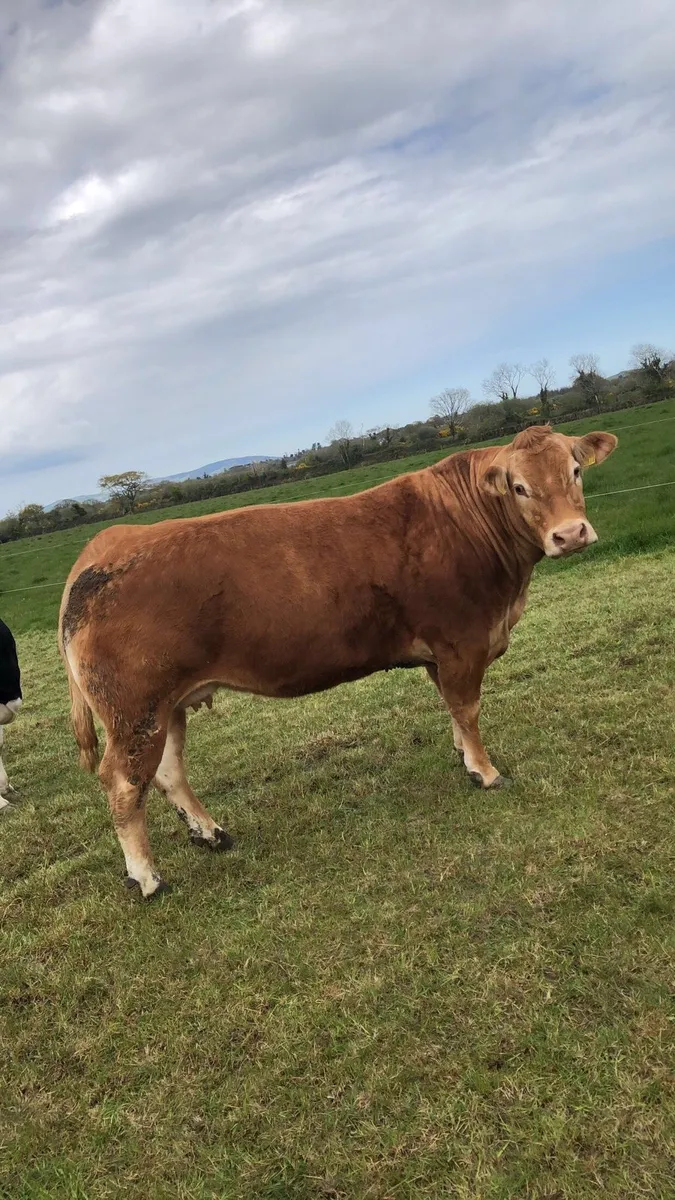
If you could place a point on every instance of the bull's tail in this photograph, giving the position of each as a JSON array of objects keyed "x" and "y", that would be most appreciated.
[
  {"x": 81, "y": 716},
  {"x": 84, "y": 729}
]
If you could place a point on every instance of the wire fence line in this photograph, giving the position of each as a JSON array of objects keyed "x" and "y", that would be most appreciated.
[
  {"x": 640, "y": 425},
  {"x": 34, "y": 587},
  {"x": 643, "y": 487}
]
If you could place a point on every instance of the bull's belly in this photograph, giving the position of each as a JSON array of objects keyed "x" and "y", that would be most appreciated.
[
  {"x": 294, "y": 681},
  {"x": 286, "y": 687}
]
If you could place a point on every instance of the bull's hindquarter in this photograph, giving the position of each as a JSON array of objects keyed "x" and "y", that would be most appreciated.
[{"x": 280, "y": 601}]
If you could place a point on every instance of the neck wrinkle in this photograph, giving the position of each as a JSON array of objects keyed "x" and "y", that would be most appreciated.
[{"x": 516, "y": 553}]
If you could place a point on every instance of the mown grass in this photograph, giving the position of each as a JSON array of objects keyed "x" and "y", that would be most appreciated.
[
  {"x": 396, "y": 986},
  {"x": 629, "y": 523}
]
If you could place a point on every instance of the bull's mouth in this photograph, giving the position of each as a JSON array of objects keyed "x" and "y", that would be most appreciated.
[{"x": 561, "y": 552}]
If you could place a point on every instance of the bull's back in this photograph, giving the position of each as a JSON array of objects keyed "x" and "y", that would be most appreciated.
[{"x": 306, "y": 538}]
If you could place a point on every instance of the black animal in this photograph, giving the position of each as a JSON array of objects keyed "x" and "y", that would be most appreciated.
[{"x": 10, "y": 699}]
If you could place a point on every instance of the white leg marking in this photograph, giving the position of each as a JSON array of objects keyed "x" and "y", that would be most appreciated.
[
  {"x": 138, "y": 868},
  {"x": 472, "y": 765},
  {"x": 171, "y": 780},
  {"x": 127, "y": 805}
]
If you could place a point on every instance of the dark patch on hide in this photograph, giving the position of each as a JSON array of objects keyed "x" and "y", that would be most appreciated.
[{"x": 87, "y": 585}]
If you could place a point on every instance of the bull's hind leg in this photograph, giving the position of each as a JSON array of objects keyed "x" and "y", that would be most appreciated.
[
  {"x": 171, "y": 780},
  {"x": 126, "y": 775}
]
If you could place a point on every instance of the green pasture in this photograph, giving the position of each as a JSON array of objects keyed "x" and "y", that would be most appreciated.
[{"x": 396, "y": 986}]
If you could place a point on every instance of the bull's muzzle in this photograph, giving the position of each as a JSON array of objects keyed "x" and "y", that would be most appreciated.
[{"x": 569, "y": 537}]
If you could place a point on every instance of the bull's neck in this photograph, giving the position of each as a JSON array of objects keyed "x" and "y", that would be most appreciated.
[{"x": 495, "y": 535}]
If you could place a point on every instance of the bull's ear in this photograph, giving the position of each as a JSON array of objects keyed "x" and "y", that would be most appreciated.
[
  {"x": 495, "y": 481},
  {"x": 594, "y": 447}
]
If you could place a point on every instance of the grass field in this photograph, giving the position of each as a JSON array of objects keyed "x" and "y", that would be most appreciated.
[{"x": 396, "y": 986}]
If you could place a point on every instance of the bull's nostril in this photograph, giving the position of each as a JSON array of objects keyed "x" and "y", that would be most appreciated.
[
  {"x": 558, "y": 539},
  {"x": 582, "y": 530}
]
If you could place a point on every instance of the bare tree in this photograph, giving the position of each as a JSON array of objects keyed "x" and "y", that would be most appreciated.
[
  {"x": 504, "y": 381},
  {"x": 342, "y": 435},
  {"x": 544, "y": 375},
  {"x": 585, "y": 364},
  {"x": 647, "y": 357},
  {"x": 653, "y": 361},
  {"x": 342, "y": 431},
  {"x": 448, "y": 405},
  {"x": 587, "y": 378},
  {"x": 124, "y": 488}
]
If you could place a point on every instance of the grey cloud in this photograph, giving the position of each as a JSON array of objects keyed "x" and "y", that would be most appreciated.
[
  {"x": 250, "y": 210},
  {"x": 25, "y": 464}
]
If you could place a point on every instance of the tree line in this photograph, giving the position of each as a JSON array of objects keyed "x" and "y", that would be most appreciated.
[{"x": 455, "y": 419}]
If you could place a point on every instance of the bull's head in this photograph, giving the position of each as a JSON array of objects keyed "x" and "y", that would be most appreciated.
[{"x": 539, "y": 477}]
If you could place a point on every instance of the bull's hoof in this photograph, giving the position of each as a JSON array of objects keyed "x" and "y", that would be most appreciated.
[
  {"x": 162, "y": 889},
  {"x": 500, "y": 782},
  {"x": 220, "y": 841},
  {"x": 223, "y": 840}
]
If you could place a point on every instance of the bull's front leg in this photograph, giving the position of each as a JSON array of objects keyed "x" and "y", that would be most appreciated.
[
  {"x": 432, "y": 671},
  {"x": 459, "y": 682}
]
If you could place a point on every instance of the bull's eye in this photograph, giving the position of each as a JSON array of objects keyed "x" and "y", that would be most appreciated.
[
  {"x": 577, "y": 473},
  {"x": 520, "y": 490}
]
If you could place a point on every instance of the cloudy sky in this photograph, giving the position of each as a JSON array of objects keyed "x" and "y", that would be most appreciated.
[{"x": 226, "y": 223}]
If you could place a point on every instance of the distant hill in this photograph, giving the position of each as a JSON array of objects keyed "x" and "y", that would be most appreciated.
[{"x": 213, "y": 468}]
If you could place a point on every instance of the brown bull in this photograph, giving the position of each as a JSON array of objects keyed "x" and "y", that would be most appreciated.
[{"x": 429, "y": 570}]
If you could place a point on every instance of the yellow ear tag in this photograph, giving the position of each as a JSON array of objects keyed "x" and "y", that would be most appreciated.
[
  {"x": 501, "y": 487},
  {"x": 590, "y": 461}
]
